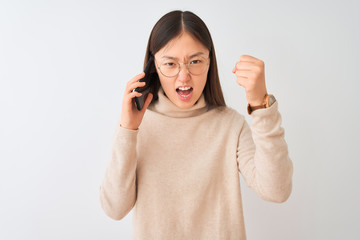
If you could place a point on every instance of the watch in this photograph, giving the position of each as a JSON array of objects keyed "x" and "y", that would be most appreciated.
[{"x": 269, "y": 100}]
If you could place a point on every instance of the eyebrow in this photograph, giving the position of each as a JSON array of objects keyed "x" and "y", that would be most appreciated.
[{"x": 191, "y": 56}]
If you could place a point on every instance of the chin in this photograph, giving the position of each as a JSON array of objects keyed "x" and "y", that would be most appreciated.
[{"x": 184, "y": 104}]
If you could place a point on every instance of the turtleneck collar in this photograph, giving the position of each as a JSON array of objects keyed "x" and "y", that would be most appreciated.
[{"x": 165, "y": 107}]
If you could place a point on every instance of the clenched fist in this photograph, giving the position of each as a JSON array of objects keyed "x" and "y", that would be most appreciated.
[{"x": 250, "y": 74}]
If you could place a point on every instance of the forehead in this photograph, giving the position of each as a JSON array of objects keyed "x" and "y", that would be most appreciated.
[{"x": 183, "y": 46}]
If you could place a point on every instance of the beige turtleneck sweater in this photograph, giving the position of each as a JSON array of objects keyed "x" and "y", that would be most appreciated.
[{"x": 180, "y": 170}]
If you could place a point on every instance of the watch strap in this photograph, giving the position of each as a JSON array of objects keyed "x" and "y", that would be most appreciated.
[{"x": 265, "y": 104}]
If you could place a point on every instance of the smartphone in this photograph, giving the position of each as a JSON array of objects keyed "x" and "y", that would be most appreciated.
[{"x": 140, "y": 101}]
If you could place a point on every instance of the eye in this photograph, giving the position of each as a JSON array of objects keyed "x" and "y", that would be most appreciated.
[
  {"x": 195, "y": 61},
  {"x": 169, "y": 64}
]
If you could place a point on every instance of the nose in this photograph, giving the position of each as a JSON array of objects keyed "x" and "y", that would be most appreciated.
[{"x": 184, "y": 73}]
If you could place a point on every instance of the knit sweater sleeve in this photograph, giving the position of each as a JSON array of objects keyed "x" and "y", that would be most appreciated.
[
  {"x": 118, "y": 188},
  {"x": 262, "y": 155}
]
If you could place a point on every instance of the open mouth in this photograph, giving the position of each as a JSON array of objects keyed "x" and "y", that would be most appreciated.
[{"x": 184, "y": 93}]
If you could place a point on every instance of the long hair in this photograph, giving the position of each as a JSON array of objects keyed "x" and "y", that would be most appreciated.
[{"x": 172, "y": 25}]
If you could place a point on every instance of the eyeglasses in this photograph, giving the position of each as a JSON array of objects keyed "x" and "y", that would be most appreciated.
[{"x": 171, "y": 68}]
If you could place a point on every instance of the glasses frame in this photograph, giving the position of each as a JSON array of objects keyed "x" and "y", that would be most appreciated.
[{"x": 187, "y": 67}]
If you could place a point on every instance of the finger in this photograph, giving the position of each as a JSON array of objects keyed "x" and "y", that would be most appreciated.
[
  {"x": 136, "y": 78},
  {"x": 244, "y": 65},
  {"x": 130, "y": 96},
  {"x": 242, "y": 74},
  {"x": 255, "y": 67},
  {"x": 134, "y": 85},
  {"x": 147, "y": 101},
  {"x": 248, "y": 58}
]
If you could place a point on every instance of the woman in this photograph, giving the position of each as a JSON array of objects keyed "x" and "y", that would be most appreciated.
[{"x": 177, "y": 161}]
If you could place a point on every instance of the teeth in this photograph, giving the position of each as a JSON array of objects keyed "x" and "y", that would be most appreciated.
[
  {"x": 184, "y": 95},
  {"x": 184, "y": 88}
]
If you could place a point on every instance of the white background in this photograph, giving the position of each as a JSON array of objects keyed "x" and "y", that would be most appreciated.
[{"x": 63, "y": 68}]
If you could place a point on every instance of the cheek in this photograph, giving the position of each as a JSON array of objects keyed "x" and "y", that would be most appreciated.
[
  {"x": 201, "y": 82},
  {"x": 163, "y": 82},
  {"x": 166, "y": 84},
  {"x": 161, "y": 78}
]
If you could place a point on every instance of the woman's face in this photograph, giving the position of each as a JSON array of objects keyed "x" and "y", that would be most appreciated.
[{"x": 184, "y": 89}]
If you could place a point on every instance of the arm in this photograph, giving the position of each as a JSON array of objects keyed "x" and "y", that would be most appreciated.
[
  {"x": 263, "y": 157},
  {"x": 118, "y": 188},
  {"x": 266, "y": 166}
]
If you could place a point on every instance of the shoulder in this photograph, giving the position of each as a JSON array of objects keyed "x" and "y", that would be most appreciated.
[
  {"x": 228, "y": 116},
  {"x": 228, "y": 113}
]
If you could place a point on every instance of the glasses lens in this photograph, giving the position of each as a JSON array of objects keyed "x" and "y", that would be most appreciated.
[
  {"x": 197, "y": 65},
  {"x": 169, "y": 68}
]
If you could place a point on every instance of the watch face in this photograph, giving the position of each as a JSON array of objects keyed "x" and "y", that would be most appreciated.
[{"x": 271, "y": 100}]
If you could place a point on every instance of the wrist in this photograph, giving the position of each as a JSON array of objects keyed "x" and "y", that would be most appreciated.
[
  {"x": 257, "y": 101},
  {"x": 269, "y": 100},
  {"x": 128, "y": 127}
]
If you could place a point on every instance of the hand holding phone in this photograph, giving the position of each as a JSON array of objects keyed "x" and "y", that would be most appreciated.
[
  {"x": 140, "y": 101},
  {"x": 137, "y": 88},
  {"x": 131, "y": 117}
]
